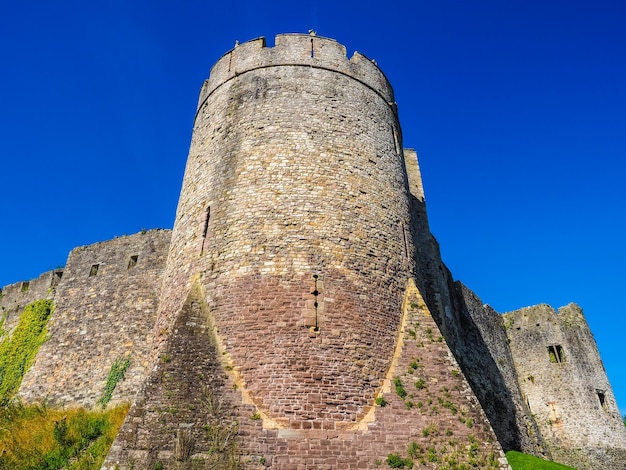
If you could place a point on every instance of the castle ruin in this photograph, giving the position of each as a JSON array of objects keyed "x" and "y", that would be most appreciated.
[{"x": 300, "y": 307}]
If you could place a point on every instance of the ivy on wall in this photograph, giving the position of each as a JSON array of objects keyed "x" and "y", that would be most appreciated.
[
  {"x": 19, "y": 349},
  {"x": 116, "y": 374}
]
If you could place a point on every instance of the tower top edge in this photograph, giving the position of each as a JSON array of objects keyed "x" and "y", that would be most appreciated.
[
  {"x": 296, "y": 49},
  {"x": 570, "y": 314}
]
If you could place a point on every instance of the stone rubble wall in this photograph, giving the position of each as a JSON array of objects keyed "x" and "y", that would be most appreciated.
[
  {"x": 440, "y": 417},
  {"x": 98, "y": 318}
]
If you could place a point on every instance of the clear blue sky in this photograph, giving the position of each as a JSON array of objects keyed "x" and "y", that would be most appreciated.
[{"x": 516, "y": 108}]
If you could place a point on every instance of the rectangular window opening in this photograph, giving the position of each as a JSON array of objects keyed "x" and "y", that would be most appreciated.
[
  {"x": 601, "y": 398},
  {"x": 94, "y": 270},
  {"x": 396, "y": 141},
  {"x": 56, "y": 278},
  {"x": 406, "y": 240},
  {"x": 205, "y": 230},
  {"x": 25, "y": 286},
  {"x": 132, "y": 262},
  {"x": 556, "y": 353}
]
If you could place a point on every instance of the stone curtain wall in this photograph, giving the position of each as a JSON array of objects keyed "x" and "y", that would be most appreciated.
[
  {"x": 481, "y": 345},
  {"x": 100, "y": 314},
  {"x": 295, "y": 170}
]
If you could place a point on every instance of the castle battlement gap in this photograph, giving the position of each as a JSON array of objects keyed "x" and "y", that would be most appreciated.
[{"x": 297, "y": 50}]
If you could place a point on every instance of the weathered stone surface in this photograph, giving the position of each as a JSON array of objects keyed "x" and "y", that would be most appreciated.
[{"x": 100, "y": 314}]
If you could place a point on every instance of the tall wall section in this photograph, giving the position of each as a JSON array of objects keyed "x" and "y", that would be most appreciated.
[
  {"x": 559, "y": 410},
  {"x": 565, "y": 386},
  {"x": 473, "y": 331},
  {"x": 105, "y": 308},
  {"x": 296, "y": 171}
]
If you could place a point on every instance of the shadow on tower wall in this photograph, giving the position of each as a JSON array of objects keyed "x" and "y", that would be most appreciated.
[{"x": 476, "y": 336}]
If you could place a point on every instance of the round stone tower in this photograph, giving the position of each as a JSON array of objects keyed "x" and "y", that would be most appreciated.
[{"x": 294, "y": 222}]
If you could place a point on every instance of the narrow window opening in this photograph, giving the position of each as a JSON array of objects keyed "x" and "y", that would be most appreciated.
[
  {"x": 132, "y": 262},
  {"x": 205, "y": 228},
  {"x": 316, "y": 292},
  {"x": 94, "y": 270},
  {"x": 556, "y": 353},
  {"x": 56, "y": 278},
  {"x": 601, "y": 398},
  {"x": 25, "y": 286},
  {"x": 405, "y": 237},
  {"x": 396, "y": 141},
  {"x": 312, "y": 50}
]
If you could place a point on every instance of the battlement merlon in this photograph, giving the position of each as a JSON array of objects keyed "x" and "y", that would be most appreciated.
[{"x": 297, "y": 50}]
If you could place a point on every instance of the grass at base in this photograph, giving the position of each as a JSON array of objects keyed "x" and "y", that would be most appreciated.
[
  {"x": 520, "y": 461},
  {"x": 35, "y": 437}
]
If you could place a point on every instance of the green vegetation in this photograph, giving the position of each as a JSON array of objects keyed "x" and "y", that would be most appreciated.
[
  {"x": 521, "y": 461},
  {"x": 19, "y": 349},
  {"x": 395, "y": 461},
  {"x": 34, "y": 437},
  {"x": 116, "y": 374},
  {"x": 221, "y": 433},
  {"x": 400, "y": 391},
  {"x": 380, "y": 401}
]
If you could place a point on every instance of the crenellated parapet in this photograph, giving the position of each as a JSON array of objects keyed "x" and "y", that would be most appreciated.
[{"x": 298, "y": 50}]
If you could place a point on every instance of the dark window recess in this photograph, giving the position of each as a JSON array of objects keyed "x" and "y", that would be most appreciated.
[
  {"x": 94, "y": 270},
  {"x": 602, "y": 398},
  {"x": 56, "y": 278},
  {"x": 312, "y": 49},
  {"x": 556, "y": 353},
  {"x": 405, "y": 237},
  {"x": 132, "y": 262},
  {"x": 205, "y": 229},
  {"x": 25, "y": 286},
  {"x": 396, "y": 140}
]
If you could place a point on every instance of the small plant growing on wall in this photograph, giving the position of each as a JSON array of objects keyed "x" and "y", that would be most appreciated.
[
  {"x": 400, "y": 391},
  {"x": 116, "y": 375},
  {"x": 396, "y": 461}
]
